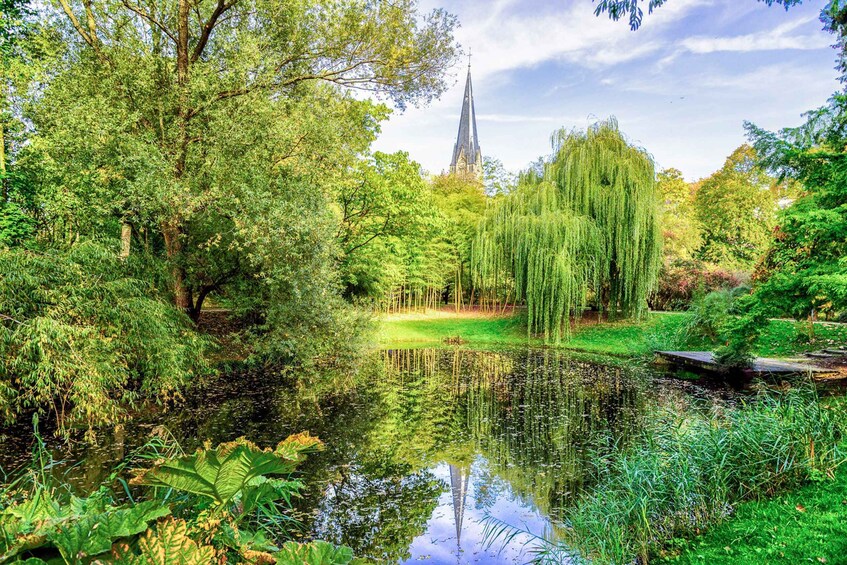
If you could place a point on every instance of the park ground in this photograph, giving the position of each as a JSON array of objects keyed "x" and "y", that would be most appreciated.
[
  {"x": 659, "y": 330},
  {"x": 807, "y": 525}
]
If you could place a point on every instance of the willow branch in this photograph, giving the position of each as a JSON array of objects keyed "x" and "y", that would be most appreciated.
[
  {"x": 209, "y": 26},
  {"x": 146, "y": 15},
  {"x": 75, "y": 22}
]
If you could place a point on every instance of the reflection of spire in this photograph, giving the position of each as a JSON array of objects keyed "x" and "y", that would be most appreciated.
[{"x": 459, "y": 487}]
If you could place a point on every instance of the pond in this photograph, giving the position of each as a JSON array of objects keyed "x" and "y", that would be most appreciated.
[{"x": 426, "y": 447}]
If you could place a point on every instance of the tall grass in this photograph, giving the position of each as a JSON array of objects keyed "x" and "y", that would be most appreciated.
[{"x": 686, "y": 471}]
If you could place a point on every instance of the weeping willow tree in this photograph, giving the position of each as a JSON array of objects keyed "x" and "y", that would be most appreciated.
[{"x": 583, "y": 230}]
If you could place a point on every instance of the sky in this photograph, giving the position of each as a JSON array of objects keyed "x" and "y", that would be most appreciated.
[{"x": 681, "y": 87}]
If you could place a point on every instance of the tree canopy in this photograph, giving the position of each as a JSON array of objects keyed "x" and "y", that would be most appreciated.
[
  {"x": 633, "y": 9},
  {"x": 736, "y": 209},
  {"x": 588, "y": 226},
  {"x": 680, "y": 229},
  {"x": 204, "y": 114}
]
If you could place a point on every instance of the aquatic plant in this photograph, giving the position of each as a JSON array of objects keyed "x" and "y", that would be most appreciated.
[
  {"x": 586, "y": 228},
  {"x": 687, "y": 472}
]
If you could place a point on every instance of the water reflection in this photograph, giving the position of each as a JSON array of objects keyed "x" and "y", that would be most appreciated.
[{"x": 424, "y": 444}]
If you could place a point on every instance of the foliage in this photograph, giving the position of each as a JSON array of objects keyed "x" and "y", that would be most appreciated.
[
  {"x": 462, "y": 202},
  {"x": 589, "y": 226},
  {"x": 387, "y": 215},
  {"x": 15, "y": 225},
  {"x": 41, "y": 520},
  {"x": 680, "y": 282},
  {"x": 314, "y": 553},
  {"x": 215, "y": 138},
  {"x": 496, "y": 179},
  {"x": 169, "y": 543},
  {"x": 735, "y": 208},
  {"x": 632, "y": 9},
  {"x": 805, "y": 270},
  {"x": 687, "y": 472},
  {"x": 83, "y": 527},
  {"x": 233, "y": 471},
  {"x": 677, "y": 218},
  {"x": 83, "y": 336}
]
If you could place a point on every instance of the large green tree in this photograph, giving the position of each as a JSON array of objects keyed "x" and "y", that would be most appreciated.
[
  {"x": 736, "y": 210},
  {"x": 680, "y": 230},
  {"x": 804, "y": 273},
  {"x": 462, "y": 202},
  {"x": 587, "y": 228},
  {"x": 190, "y": 121},
  {"x": 386, "y": 213}
]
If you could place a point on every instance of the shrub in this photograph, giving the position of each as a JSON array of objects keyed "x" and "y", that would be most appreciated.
[
  {"x": 681, "y": 282},
  {"x": 82, "y": 337}
]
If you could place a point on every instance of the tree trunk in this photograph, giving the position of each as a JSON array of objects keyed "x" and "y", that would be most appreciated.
[
  {"x": 3, "y": 182},
  {"x": 197, "y": 307},
  {"x": 172, "y": 233},
  {"x": 126, "y": 240}
]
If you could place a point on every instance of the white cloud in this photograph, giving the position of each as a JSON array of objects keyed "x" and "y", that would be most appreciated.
[
  {"x": 768, "y": 40},
  {"x": 541, "y": 64},
  {"x": 505, "y": 36},
  {"x": 514, "y": 118}
]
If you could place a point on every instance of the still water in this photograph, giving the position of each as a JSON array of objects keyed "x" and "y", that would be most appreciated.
[{"x": 428, "y": 447}]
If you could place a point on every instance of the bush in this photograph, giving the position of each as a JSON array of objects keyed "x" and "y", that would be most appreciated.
[
  {"x": 681, "y": 282},
  {"x": 82, "y": 337}
]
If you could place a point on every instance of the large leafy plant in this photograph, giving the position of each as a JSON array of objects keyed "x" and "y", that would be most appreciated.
[
  {"x": 234, "y": 472},
  {"x": 75, "y": 529},
  {"x": 217, "y": 496}
]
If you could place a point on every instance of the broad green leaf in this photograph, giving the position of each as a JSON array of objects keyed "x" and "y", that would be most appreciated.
[
  {"x": 262, "y": 490},
  {"x": 168, "y": 545},
  {"x": 92, "y": 535},
  {"x": 313, "y": 553},
  {"x": 223, "y": 473},
  {"x": 40, "y": 508}
]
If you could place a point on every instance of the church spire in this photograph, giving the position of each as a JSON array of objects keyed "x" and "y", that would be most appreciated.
[{"x": 467, "y": 158}]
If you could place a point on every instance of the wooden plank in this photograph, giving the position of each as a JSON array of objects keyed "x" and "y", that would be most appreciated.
[{"x": 761, "y": 365}]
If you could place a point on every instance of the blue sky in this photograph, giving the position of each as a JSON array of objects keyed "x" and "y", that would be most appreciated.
[{"x": 680, "y": 87}]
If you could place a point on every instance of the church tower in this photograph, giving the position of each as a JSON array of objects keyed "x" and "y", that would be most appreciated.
[{"x": 467, "y": 158}]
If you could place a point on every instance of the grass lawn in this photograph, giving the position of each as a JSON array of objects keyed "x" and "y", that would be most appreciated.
[
  {"x": 632, "y": 339},
  {"x": 615, "y": 338},
  {"x": 433, "y": 328},
  {"x": 808, "y": 525},
  {"x": 784, "y": 338}
]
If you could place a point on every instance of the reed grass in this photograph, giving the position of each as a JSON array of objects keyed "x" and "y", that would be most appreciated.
[{"x": 686, "y": 472}]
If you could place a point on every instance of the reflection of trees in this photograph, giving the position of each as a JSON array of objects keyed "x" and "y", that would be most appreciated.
[
  {"x": 378, "y": 509},
  {"x": 538, "y": 417}
]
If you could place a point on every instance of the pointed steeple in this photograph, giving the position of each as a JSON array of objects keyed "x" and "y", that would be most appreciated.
[
  {"x": 459, "y": 489},
  {"x": 467, "y": 158}
]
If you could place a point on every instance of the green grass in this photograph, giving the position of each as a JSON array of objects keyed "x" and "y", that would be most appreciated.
[
  {"x": 783, "y": 338},
  {"x": 808, "y": 525},
  {"x": 614, "y": 338},
  {"x": 419, "y": 329}
]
